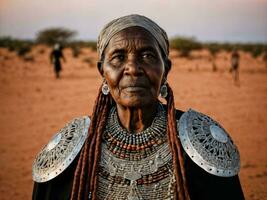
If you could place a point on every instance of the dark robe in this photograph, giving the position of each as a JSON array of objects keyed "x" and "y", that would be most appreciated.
[
  {"x": 55, "y": 56},
  {"x": 201, "y": 184}
]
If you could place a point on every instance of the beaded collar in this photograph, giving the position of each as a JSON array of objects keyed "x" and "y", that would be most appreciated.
[{"x": 134, "y": 146}]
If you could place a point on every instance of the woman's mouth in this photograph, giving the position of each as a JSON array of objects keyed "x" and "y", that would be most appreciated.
[{"x": 134, "y": 88}]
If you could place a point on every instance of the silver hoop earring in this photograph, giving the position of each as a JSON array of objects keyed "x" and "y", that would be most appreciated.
[
  {"x": 105, "y": 88},
  {"x": 163, "y": 91}
]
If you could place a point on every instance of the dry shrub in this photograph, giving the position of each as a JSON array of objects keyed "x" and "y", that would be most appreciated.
[{"x": 185, "y": 45}]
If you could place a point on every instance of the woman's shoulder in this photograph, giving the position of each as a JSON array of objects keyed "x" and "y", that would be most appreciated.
[
  {"x": 178, "y": 113},
  {"x": 61, "y": 150},
  {"x": 207, "y": 143}
]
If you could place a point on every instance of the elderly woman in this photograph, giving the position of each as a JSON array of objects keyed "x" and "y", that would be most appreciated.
[{"x": 133, "y": 146}]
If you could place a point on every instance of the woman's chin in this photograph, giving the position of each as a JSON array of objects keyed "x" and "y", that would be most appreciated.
[{"x": 137, "y": 102}]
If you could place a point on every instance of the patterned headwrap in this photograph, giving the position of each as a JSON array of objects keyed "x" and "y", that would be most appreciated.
[{"x": 122, "y": 23}]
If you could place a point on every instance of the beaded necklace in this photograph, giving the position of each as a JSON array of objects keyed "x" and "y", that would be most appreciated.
[
  {"x": 135, "y": 166},
  {"x": 134, "y": 146}
]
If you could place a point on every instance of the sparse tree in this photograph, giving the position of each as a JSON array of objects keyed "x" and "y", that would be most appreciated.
[{"x": 50, "y": 36}]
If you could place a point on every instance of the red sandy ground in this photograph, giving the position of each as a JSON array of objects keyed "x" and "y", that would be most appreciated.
[{"x": 33, "y": 106}]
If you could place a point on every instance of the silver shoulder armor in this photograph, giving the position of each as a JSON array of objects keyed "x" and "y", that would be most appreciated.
[
  {"x": 62, "y": 149},
  {"x": 208, "y": 144}
]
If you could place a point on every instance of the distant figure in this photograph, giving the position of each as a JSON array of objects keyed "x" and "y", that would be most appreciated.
[
  {"x": 55, "y": 57},
  {"x": 235, "y": 65}
]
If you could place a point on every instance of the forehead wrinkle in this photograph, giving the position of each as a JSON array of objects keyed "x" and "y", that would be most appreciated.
[{"x": 132, "y": 43}]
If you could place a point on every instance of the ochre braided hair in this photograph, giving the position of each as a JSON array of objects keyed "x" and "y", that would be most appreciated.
[
  {"x": 181, "y": 191},
  {"x": 85, "y": 178}
]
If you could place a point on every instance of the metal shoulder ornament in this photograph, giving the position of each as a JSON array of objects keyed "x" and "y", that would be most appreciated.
[
  {"x": 62, "y": 149},
  {"x": 208, "y": 144}
]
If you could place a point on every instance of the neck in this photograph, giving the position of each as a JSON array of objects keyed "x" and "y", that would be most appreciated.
[{"x": 137, "y": 119}]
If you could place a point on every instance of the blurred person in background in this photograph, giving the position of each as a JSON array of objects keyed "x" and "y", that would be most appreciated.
[
  {"x": 134, "y": 146},
  {"x": 235, "y": 65},
  {"x": 55, "y": 58}
]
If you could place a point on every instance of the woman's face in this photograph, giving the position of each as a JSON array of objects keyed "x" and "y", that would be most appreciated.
[{"x": 133, "y": 67}]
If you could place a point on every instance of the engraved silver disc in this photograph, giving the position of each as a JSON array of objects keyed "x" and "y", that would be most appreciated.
[
  {"x": 218, "y": 133},
  {"x": 62, "y": 149},
  {"x": 208, "y": 144}
]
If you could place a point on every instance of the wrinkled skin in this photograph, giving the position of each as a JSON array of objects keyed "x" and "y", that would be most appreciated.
[{"x": 133, "y": 67}]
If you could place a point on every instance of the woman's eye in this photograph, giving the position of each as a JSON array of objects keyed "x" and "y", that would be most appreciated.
[
  {"x": 118, "y": 58},
  {"x": 148, "y": 56}
]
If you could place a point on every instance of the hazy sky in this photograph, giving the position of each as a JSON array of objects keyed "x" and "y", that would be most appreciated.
[{"x": 207, "y": 20}]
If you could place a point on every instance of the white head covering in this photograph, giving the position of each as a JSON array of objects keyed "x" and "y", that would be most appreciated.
[
  {"x": 122, "y": 23},
  {"x": 56, "y": 46}
]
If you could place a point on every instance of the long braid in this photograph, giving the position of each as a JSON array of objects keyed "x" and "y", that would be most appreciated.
[
  {"x": 97, "y": 151},
  {"x": 176, "y": 149},
  {"x": 85, "y": 178},
  {"x": 89, "y": 156}
]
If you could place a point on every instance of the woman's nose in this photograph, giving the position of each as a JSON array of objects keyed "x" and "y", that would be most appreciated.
[{"x": 132, "y": 67}]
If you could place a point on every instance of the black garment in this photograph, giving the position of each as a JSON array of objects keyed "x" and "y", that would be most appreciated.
[
  {"x": 55, "y": 56},
  {"x": 58, "y": 188},
  {"x": 201, "y": 184}
]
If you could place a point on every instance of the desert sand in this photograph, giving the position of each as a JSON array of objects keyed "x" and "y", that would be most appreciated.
[{"x": 34, "y": 106}]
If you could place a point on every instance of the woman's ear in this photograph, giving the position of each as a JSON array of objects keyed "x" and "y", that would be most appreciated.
[
  {"x": 100, "y": 67},
  {"x": 168, "y": 65}
]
